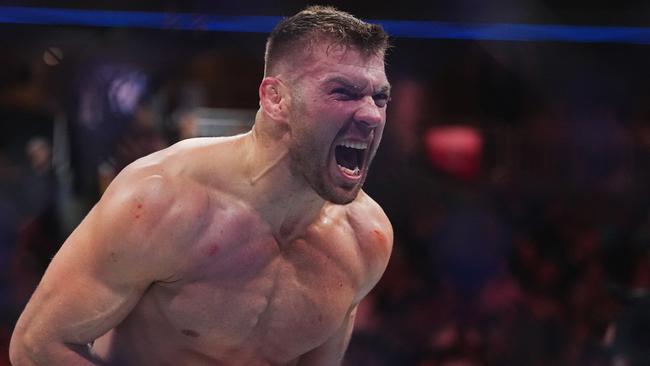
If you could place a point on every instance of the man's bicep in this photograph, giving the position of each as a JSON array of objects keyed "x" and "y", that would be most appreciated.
[
  {"x": 332, "y": 352},
  {"x": 104, "y": 267},
  {"x": 84, "y": 292}
]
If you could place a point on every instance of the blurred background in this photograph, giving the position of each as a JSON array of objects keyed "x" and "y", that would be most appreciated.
[{"x": 515, "y": 164}]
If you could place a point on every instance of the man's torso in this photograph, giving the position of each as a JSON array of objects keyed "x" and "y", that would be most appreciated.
[{"x": 241, "y": 296}]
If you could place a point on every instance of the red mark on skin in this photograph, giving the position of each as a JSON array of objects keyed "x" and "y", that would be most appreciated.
[
  {"x": 139, "y": 206},
  {"x": 320, "y": 318},
  {"x": 379, "y": 235},
  {"x": 212, "y": 250},
  {"x": 190, "y": 333}
]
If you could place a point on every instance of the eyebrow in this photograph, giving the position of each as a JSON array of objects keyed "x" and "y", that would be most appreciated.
[{"x": 348, "y": 84}]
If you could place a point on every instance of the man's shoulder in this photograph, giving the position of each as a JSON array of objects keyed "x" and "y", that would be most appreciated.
[
  {"x": 182, "y": 184},
  {"x": 156, "y": 193},
  {"x": 365, "y": 214},
  {"x": 176, "y": 172},
  {"x": 374, "y": 235},
  {"x": 182, "y": 157}
]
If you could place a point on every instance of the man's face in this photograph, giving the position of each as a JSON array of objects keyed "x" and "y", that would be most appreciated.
[{"x": 337, "y": 117}]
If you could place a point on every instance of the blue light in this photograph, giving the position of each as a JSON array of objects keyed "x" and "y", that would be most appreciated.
[
  {"x": 137, "y": 19},
  {"x": 264, "y": 24},
  {"x": 516, "y": 32}
]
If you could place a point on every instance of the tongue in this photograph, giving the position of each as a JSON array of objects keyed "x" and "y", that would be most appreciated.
[{"x": 346, "y": 157}]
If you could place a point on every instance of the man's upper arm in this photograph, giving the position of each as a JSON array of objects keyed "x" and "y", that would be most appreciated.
[
  {"x": 102, "y": 270},
  {"x": 374, "y": 234}
]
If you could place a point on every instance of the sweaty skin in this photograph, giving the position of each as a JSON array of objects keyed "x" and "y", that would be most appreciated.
[{"x": 219, "y": 251}]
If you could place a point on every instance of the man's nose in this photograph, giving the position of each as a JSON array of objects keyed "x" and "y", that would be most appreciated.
[{"x": 368, "y": 114}]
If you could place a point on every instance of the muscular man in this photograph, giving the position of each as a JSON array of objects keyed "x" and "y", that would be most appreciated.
[{"x": 249, "y": 250}]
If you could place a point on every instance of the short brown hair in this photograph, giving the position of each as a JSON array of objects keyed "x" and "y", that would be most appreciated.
[{"x": 317, "y": 21}]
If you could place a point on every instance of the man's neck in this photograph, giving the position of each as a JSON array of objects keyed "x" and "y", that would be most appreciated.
[{"x": 285, "y": 201}]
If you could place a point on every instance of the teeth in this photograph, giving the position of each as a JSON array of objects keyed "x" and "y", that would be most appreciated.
[
  {"x": 354, "y": 172},
  {"x": 355, "y": 145}
]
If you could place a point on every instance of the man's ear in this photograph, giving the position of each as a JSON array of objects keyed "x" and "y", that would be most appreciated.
[{"x": 273, "y": 98}]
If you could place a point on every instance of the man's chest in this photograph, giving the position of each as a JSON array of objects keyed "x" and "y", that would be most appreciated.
[{"x": 244, "y": 292}]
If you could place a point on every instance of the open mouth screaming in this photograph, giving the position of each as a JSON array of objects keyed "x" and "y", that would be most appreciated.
[{"x": 350, "y": 157}]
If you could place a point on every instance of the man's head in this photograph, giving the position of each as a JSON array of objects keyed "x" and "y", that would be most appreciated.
[
  {"x": 325, "y": 83},
  {"x": 315, "y": 24}
]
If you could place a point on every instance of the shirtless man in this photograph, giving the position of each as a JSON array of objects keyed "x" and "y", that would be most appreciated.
[{"x": 249, "y": 250}]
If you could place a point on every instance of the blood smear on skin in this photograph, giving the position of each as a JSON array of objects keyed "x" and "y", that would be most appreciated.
[
  {"x": 379, "y": 235},
  {"x": 212, "y": 250}
]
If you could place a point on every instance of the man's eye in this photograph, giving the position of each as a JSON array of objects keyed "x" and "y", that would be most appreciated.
[
  {"x": 344, "y": 94},
  {"x": 381, "y": 99}
]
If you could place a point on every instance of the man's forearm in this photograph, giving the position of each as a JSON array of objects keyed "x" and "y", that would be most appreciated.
[{"x": 53, "y": 354}]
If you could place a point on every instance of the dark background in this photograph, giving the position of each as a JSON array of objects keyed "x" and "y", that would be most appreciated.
[{"x": 520, "y": 239}]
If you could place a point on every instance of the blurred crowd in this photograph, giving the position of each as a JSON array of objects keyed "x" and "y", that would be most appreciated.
[
  {"x": 515, "y": 180},
  {"x": 537, "y": 254}
]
